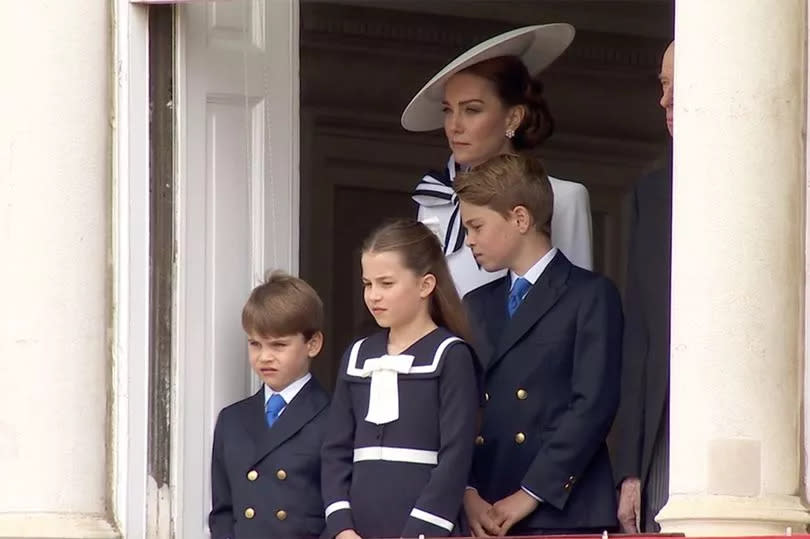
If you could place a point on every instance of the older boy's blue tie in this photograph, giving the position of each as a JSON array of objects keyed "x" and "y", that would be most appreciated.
[
  {"x": 275, "y": 404},
  {"x": 516, "y": 295}
]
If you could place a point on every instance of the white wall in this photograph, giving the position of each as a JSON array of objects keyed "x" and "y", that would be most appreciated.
[
  {"x": 737, "y": 269},
  {"x": 54, "y": 229},
  {"x": 805, "y": 490}
]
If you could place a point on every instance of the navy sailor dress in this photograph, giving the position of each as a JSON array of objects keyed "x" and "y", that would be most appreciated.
[{"x": 400, "y": 437}]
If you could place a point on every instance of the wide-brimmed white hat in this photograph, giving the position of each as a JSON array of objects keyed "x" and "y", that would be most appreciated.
[{"x": 537, "y": 46}]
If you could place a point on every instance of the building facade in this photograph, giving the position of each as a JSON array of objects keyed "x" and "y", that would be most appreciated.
[{"x": 157, "y": 159}]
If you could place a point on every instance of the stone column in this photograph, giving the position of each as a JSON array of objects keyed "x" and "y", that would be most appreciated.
[
  {"x": 738, "y": 262},
  {"x": 54, "y": 235}
]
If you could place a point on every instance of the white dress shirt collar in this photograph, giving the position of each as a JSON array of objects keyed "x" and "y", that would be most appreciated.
[
  {"x": 289, "y": 392},
  {"x": 537, "y": 270}
]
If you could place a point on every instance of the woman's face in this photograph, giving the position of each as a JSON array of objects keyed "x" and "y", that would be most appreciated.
[{"x": 476, "y": 120}]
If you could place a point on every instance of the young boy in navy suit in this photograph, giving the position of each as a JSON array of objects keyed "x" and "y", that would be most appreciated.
[
  {"x": 550, "y": 342},
  {"x": 265, "y": 469}
]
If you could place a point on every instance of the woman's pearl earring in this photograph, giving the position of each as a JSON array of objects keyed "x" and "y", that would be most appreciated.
[{"x": 510, "y": 133}]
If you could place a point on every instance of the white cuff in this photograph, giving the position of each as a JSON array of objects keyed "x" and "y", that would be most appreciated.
[
  {"x": 337, "y": 506},
  {"x": 432, "y": 519},
  {"x": 532, "y": 494}
]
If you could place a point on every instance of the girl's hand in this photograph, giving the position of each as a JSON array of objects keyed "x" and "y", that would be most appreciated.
[{"x": 348, "y": 534}]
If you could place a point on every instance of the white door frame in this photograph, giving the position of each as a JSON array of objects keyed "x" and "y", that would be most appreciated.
[
  {"x": 276, "y": 247},
  {"x": 274, "y": 221},
  {"x": 129, "y": 246},
  {"x": 805, "y": 429}
]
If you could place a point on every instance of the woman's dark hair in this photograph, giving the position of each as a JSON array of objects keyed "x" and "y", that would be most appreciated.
[
  {"x": 421, "y": 253},
  {"x": 515, "y": 86}
]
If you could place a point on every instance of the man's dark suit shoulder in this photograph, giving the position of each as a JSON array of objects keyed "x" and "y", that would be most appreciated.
[
  {"x": 590, "y": 280},
  {"x": 483, "y": 292},
  {"x": 239, "y": 409},
  {"x": 656, "y": 184},
  {"x": 235, "y": 410},
  {"x": 584, "y": 280}
]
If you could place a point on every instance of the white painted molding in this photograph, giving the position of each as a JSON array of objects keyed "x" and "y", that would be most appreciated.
[
  {"x": 56, "y": 526},
  {"x": 130, "y": 267},
  {"x": 805, "y": 454},
  {"x": 282, "y": 199},
  {"x": 268, "y": 69},
  {"x": 718, "y": 516}
]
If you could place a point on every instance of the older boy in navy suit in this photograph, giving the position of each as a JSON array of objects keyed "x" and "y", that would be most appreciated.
[
  {"x": 550, "y": 342},
  {"x": 265, "y": 469}
]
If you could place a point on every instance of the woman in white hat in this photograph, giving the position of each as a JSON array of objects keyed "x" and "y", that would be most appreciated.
[{"x": 489, "y": 103}]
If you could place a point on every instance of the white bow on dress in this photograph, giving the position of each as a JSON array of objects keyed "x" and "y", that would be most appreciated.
[{"x": 383, "y": 400}]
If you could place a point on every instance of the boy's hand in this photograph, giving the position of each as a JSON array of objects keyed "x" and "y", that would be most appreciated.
[
  {"x": 347, "y": 534},
  {"x": 478, "y": 514},
  {"x": 511, "y": 510}
]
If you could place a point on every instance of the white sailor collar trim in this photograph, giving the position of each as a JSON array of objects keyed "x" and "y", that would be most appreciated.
[
  {"x": 353, "y": 370},
  {"x": 384, "y": 372}
]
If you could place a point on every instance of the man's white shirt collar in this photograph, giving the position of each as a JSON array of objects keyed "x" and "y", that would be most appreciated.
[
  {"x": 535, "y": 271},
  {"x": 289, "y": 392}
]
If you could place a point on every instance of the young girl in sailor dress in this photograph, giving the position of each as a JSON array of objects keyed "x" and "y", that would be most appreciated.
[{"x": 399, "y": 442}]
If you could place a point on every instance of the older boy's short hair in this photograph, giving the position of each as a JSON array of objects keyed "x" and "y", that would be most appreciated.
[
  {"x": 507, "y": 181},
  {"x": 283, "y": 305}
]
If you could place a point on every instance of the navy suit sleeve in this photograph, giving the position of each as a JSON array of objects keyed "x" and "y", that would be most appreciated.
[
  {"x": 628, "y": 429},
  {"x": 583, "y": 427},
  {"x": 220, "y": 520},
  {"x": 337, "y": 458},
  {"x": 437, "y": 507}
]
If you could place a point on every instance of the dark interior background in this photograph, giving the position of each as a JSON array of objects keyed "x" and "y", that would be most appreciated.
[{"x": 362, "y": 61}]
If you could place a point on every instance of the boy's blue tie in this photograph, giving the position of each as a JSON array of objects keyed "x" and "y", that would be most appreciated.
[
  {"x": 516, "y": 295},
  {"x": 275, "y": 404}
]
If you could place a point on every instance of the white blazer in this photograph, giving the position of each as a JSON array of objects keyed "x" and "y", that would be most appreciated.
[{"x": 570, "y": 227}]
